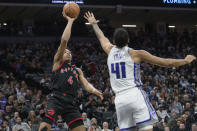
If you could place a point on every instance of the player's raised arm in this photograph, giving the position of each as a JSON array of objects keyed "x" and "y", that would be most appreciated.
[
  {"x": 87, "y": 86},
  {"x": 142, "y": 55},
  {"x": 64, "y": 39},
  {"x": 105, "y": 43}
]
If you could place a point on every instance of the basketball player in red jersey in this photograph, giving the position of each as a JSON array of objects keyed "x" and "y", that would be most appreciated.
[{"x": 65, "y": 85}]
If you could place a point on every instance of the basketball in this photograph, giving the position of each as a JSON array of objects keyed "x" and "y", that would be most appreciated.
[{"x": 71, "y": 9}]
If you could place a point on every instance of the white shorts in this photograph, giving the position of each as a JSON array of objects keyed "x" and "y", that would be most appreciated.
[{"x": 134, "y": 109}]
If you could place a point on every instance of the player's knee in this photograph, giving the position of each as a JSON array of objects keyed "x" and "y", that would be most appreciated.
[
  {"x": 79, "y": 128},
  {"x": 146, "y": 128},
  {"x": 44, "y": 129}
]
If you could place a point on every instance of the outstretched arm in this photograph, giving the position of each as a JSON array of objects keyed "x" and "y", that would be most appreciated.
[
  {"x": 64, "y": 39},
  {"x": 105, "y": 43},
  {"x": 87, "y": 86},
  {"x": 142, "y": 55}
]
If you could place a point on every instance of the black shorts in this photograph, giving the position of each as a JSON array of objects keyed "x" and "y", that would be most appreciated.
[{"x": 62, "y": 104}]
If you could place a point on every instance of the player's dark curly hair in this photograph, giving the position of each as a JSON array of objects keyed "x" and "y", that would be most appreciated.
[{"x": 121, "y": 37}]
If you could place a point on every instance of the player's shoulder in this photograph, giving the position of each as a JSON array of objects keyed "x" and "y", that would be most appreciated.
[
  {"x": 135, "y": 52},
  {"x": 109, "y": 48},
  {"x": 132, "y": 51}
]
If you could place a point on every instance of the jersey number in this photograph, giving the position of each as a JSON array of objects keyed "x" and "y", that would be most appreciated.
[
  {"x": 116, "y": 70},
  {"x": 70, "y": 80}
]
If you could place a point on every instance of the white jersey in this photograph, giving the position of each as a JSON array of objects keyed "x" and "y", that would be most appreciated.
[{"x": 124, "y": 72}]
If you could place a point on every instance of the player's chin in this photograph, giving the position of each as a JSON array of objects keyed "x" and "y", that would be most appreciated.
[{"x": 68, "y": 60}]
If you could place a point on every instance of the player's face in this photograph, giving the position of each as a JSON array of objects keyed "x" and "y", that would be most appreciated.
[{"x": 67, "y": 55}]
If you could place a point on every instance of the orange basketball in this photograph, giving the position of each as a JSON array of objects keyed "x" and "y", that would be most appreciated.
[{"x": 71, "y": 9}]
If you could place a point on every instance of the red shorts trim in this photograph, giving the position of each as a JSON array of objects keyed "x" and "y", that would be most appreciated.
[
  {"x": 80, "y": 118},
  {"x": 50, "y": 117}
]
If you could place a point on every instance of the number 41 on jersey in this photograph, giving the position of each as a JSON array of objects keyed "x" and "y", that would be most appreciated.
[{"x": 116, "y": 67}]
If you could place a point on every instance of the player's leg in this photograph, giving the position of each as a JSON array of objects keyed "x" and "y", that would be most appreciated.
[
  {"x": 76, "y": 124},
  {"x": 44, "y": 126},
  {"x": 129, "y": 129},
  {"x": 144, "y": 114},
  {"x": 47, "y": 121},
  {"x": 124, "y": 111},
  {"x": 146, "y": 128},
  {"x": 73, "y": 119},
  {"x": 50, "y": 114},
  {"x": 79, "y": 128}
]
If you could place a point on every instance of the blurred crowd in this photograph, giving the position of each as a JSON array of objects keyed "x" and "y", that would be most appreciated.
[
  {"x": 172, "y": 91},
  {"x": 41, "y": 28}
]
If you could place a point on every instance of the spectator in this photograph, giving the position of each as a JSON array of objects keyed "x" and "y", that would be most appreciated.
[
  {"x": 86, "y": 121},
  {"x": 3, "y": 101},
  {"x": 13, "y": 119},
  {"x": 41, "y": 114},
  {"x": 10, "y": 100},
  {"x": 33, "y": 121},
  {"x": 21, "y": 125},
  {"x": 8, "y": 110},
  {"x": 106, "y": 127},
  {"x": 153, "y": 96},
  {"x": 183, "y": 82},
  {"x": 4, "y": 126},
  {"x": 7, "y": 118},
  {"x": 46, "y": 80},
  {"x": 162, "y": 113},
  {"x": 182, "y": 127},
  {"x": 94, "y": 125},
  {"x": 1, "y": 117},
  {"x": 60, "y": 126},
  {"x": 176, "y": 105},
  {"x": 26, "y": 108}
]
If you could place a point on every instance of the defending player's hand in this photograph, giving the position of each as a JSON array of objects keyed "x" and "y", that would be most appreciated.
[
  {"x": 190, "y": 58},
  {"x": 68, "y": 18},
  {"x": 90, "y": 17}
]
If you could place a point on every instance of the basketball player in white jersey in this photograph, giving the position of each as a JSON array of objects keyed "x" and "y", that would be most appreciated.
[{"x": 134, "y": 111}]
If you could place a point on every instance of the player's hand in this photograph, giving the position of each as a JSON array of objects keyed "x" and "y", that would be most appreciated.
[
  {"x": 90, "y": 17},
  {"x": 98, "y": 93},
  {"x": 68, "y": 18},
  {"x": 190, "y": 58}
]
